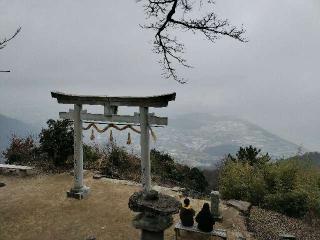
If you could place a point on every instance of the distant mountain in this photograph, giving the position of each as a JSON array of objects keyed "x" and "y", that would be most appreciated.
[
  {"x": 313, "y": 157},
  {"x": 9, "y": 126},
  {"x": 203, "y": 139},
  {"x": 308, "y": 157}
]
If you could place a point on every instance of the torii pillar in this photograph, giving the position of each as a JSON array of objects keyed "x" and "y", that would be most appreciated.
[
  {"x": 145, "y": 149},
  {"x": 79, "y": 190}
]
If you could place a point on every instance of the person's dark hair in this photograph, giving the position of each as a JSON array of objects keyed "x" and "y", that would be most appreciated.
[
  {"x": 206, "y": 207},
  {"x": 186, "y": 202}
]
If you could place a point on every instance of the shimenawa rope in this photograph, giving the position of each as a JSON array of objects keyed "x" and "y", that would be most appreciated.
[{"x": 111, "y": 125}]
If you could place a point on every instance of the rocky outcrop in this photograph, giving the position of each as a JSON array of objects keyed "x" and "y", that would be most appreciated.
[
  {"x": 242, "y": 206},
  {"x": 270, "y": 225}
]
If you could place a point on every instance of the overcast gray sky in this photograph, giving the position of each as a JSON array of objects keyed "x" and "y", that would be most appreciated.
[{"x": 97, "y": 47}]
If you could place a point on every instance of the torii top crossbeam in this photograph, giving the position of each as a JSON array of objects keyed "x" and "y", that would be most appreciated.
[
  {"x": 152, "y": 101},
  {"x": 109, "y": 115}
]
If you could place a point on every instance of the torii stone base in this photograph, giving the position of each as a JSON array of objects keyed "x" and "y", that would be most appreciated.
[{"x": 78, "y": 193}]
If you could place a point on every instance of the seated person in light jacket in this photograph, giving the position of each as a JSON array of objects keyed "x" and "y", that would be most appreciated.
[
  {"x": 186, "y": 214},
  {"x": 205, "y": 219}
]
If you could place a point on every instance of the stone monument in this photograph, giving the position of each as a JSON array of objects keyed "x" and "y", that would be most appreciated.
[
  {"x": 155, "y": 213},
  {"x": 215, "y": 200}
]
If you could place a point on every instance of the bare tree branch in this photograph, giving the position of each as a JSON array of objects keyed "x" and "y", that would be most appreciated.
[
  {"x": 166, "y": 15},
  {"x": 4, "y": 42}
]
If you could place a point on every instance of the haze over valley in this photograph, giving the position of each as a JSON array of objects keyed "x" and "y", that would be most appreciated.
[{"x": 195, "y": 139}]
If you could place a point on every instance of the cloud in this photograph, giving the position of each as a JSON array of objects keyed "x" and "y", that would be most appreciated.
[{"x": 98, "y": 48}]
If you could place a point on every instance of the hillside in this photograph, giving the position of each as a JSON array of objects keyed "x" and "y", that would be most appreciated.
[
  {"x": 193, "y": 139},
  {"x": 9, "y": 126},
  {"x": 308, "y": 157},
  {"x": 203, "y": 139}
]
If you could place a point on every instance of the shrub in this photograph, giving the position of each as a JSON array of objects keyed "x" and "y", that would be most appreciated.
[
  {"x": 288, "y": 186},
  {"x": 117, "y": 163},
  {"x": 118, "y": 157},
  {"x": 164, "y": 166},
  {"x": 270, "y": 176},
  {"x": 242, "y": 182},
  {"x": 91, "y": 155},
  {"x": 20, "y": 151},
  {"x": 308, "y": 182},
  {"x": 293, "y": 204}
]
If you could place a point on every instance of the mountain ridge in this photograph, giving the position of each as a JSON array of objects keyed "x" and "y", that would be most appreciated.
[
  {"x": 195, "y": 139},
  {"x": 203, "y": 139}
]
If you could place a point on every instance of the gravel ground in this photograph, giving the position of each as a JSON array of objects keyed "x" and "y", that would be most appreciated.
[{"x": 267, "y": 225}]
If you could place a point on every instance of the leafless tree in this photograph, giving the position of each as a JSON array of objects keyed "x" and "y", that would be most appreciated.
[
  {"x": 4, "y": 42},
  {"x": 163, "y": 16}
]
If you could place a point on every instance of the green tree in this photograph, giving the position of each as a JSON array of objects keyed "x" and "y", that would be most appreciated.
[
  {"x": 196, "y": 180},
  {"x": 250, "y": 155},
  {"x": 57, "y": 141}
]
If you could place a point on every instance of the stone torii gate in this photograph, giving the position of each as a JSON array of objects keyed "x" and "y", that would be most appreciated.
[{"x": 111, "y": 104}]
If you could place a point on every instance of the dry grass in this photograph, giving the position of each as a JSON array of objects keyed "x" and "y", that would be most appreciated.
[{"x": 37, "y": 208}]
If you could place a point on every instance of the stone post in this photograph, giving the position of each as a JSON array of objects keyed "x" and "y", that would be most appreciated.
[
  {"x": 78, "y": 148},
  {"x": 79, "y": 191},
  {"x": 215, "y": 200},
  {"x": 145, "y": 149}
]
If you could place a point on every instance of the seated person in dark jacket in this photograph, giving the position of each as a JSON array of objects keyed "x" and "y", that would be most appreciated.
[
  {"x": 205, "y": 219},
  {"x": 186, "y": 214}
]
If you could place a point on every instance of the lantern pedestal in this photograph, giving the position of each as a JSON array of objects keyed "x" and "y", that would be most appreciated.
[{"x": 155, "y": 215}]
